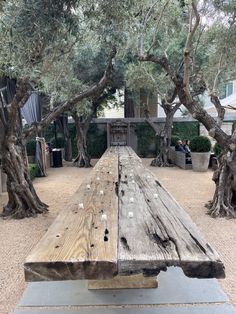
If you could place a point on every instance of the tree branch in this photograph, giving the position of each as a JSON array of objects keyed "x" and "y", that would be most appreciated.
[
  {"x": 229, "y": 107},
  {"x": 163, "y": 62},
  {"x": 188, "y": 46},
  {"x": 220, "y": 69},
  {"x": 22, "y": 93},
  {"x": 146, "y": 18},
  {"x": 93, "y": 91},
  {"x": 158, "y": 22}
]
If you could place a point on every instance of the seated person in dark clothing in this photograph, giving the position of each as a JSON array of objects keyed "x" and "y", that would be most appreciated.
[
  {"x": 188, "y": 151},
  {"x": 186, "y": 146},
  {"x": 179, "y": 147}
]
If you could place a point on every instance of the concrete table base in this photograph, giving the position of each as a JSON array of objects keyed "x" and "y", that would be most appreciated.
[{"x": 176, "y": 294}]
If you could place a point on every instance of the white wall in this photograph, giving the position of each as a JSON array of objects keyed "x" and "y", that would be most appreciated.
[
  {"x": 113, "y": 113},
  {"x": 226, "y": 127}
]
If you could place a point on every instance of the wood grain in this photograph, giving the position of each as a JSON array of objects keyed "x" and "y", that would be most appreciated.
[
  {"x": 124, "y": 282},
  {"x": 80, "y": 244},
  {"x": 154, "y": 231}
]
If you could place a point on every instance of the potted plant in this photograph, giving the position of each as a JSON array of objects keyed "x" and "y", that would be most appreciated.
[{"x": 200, "y": 152}]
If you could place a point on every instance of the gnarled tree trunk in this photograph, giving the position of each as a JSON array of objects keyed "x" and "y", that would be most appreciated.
[
  {"x": 162, "y": 159},
  {"x": 83, "y": 158},
  {"x": 223, "y": 203},
  {"x": 224, "y": 200},
  {"x": 22, "y": 198}
]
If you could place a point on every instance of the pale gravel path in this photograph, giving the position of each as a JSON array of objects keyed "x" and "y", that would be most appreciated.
[{"x": 191, "y": 190}]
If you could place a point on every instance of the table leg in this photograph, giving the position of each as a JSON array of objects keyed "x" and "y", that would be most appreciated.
[{"x": 124, "y": 282}]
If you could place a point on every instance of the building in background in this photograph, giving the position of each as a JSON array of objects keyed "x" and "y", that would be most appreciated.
[{"x": 131, "y": 105}]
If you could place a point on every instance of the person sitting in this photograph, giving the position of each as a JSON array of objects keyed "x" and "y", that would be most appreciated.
[
  {"x": 186, "y": 146},
  {"x": 179, "y": 147},
  {"x": 188, "y": 151}
]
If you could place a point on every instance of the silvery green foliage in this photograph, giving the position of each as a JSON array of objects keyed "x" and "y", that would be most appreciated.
[
  {"x": 110, "y": 19},
  {"x": 34, "y": 34},
  {"x": 162, "y": 28},
  {"x": 53, "y": 44}
]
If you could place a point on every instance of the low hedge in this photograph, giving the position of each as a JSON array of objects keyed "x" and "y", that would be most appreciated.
[
  {"x": 200, "y": 144},
  {"x": 59, "y": 142},
  {"x": 33, "y": 170},
  {"x": 174, "y": 140},
  {"x": 217, "y": 149},
  {"x": 148, "y": 143},
  {"x": 31, "y": 147}
]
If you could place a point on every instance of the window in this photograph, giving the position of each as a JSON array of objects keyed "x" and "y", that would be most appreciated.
[{"x": 227, "y": 91}]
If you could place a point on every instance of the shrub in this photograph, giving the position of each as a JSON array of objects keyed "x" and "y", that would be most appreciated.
[
  {"x": 200, "y": 144},
  {"x": 96, "y": 141},
  {"x": 185, "y": 130},
  {"x": 33, "y": 170},
  {"x": 217, "y": 149},
  {"x": 147, "y": 140},
  {"x": 57, "y": 143},
  {"x": 174, "y": 140},
  {"x": 31, "y": 148}
]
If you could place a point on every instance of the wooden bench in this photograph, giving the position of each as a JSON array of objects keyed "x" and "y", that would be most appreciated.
[
  {"x": 121, "y": 221},
  {"x": 179, "y": 159}
]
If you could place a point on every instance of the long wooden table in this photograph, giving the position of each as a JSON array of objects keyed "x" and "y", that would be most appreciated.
[{"x": 121, "y": 221}]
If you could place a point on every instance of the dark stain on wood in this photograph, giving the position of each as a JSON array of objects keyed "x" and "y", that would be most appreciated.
[
  {"x": 117, "y": 188},
  {"x": 164, "y": 243},
  {"x": 152, "y": 272},
  {"x": 158, "y": 183},
  {"x": 125, "y": 243}
]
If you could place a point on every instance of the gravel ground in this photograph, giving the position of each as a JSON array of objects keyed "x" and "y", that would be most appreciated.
[{"x": 192, "y": 190}]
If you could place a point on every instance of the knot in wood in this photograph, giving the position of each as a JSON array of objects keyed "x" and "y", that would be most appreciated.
[
  {"x": 19, "y": 188},
  {"x": 232, "y": 146},
  {"x": 12, "y": 139}
]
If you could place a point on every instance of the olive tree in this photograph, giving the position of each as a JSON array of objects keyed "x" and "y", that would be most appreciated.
[
  {"x": 205, "y": 57},
  {"x": 41, "y": 40}
]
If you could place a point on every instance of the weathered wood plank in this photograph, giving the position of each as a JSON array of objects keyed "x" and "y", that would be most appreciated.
[
  {"x": 124, "y": 282},
  {"x": 82, "y": 242},
  {"x": 154, "y": 231}
]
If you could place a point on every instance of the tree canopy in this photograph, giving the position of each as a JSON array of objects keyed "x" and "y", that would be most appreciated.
[{"x": 176, "y": 48}]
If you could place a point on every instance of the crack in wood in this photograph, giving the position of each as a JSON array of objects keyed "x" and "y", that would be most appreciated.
[
  {"x": 197, "y": 242},
  {"x": 165, "y": 243},
  {"x": 158, "y": 183},
  {"x": 117, "y": 188}
]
